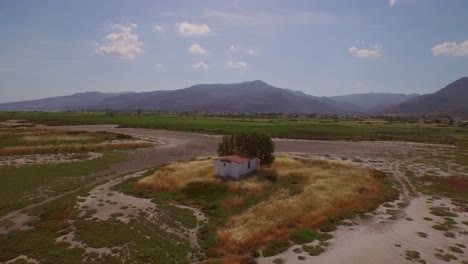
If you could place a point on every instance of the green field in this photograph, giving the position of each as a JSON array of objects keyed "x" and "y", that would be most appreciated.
[
  {"x": 29, "y": 184},
  {"x": 300, "y": 128}
]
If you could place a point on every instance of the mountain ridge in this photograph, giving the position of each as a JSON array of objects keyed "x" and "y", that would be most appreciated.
[
  {"x": 452, "y": 98},
  {"x": 250, "y": 96},
  {"x": 369, "y": 101},
  {"x": 74, "y": 101}
]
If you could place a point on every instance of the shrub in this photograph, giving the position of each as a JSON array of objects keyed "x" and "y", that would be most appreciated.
[
  {"x": 249, "y": 144},
  {"x": 255, "y": 254},
  {"x": 275, "y": 247},
  {"x": 313, "y": 250},
  {"x": 303, "y": 235},
  {"x": 278, "y": 261}
]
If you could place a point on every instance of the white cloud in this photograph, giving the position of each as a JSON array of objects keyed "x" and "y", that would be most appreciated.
[
  {"x": 236, "y": 64},
  {"x": 158, "y": 65},
  {"x": 392, "y": 2},
  {"x": 451, "y": 49},
  {"x": 200, "y": 66},
  {"x": 189, "y": 29},
  {"x": 237, "y": 48},
  {"x": 196, "y": 49},
  {"x": 365, "y": 53},
  {"x": 158, "y": 28},
  {"x": 233, "y": 48},
  {"x": 123, "y": 43},
  {"x": 229, "y": 19}
]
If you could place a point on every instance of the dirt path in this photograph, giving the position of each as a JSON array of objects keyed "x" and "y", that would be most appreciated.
[{"x": 406, "y": 186}]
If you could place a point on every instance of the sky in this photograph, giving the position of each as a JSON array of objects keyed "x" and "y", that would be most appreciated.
[{"x": 322, "y": 47}]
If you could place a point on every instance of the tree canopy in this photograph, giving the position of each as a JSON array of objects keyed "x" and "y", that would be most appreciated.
[{"x": 249, "y": 145}]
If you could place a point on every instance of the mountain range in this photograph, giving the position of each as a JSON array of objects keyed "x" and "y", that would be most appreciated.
[
  {"x": 453, "y": 97},
  {"x": 256, "y": 96},
  {"x": 374, "y": 102}
]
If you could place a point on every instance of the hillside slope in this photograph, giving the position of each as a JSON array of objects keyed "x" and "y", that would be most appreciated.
[
  {"x": 453, "y": 97},
  {"x": 69, "y": 102},
  {"x": 253, "y": 96},
  {"x": 371, "y": 101}
]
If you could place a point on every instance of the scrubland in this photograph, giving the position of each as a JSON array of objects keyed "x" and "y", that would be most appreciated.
[
  {"x": 28, "y": 179},
  {"x": 27, "y": 140},
  {"x": 294, "y": 127},
  {"x": 293, "y": 193}
]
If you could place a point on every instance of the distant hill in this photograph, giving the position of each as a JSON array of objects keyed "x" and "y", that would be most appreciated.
[
  {"x": 253, "y": 96},
  {"x": 70, "y": 102},
  {"x": 373, "y": 102},
  {"x": 453, "y": 97}
]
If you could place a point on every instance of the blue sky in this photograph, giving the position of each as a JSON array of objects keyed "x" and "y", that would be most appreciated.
[{"x": 321, "y": 47}]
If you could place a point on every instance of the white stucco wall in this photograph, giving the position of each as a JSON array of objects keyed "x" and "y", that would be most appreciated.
[
  {"x": 222, "y": 168},
  {"x": 236, "y": 170}
]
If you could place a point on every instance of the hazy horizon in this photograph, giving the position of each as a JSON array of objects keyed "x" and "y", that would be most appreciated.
[
  {"x": 121, "y": 92},
  {"x": 323, "y": 48}
]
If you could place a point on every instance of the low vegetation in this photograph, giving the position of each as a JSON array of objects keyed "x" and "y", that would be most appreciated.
[
  {"x": 313, "y": 250},
  {"x": 293, "y": 194},
  {"x": 294, "y": 127},
  {"x": 25, "y": 185},
  {"x": 149, "y": 244},
  {"x": 27, "y": 140}
]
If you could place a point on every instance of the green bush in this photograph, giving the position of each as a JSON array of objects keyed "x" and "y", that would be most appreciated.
[
  {"x": 254, "y": 144},
  {"x": 303, "y": 235},
  {"x": 275, "y": 247},
  {"x": 313, "y": 250}
]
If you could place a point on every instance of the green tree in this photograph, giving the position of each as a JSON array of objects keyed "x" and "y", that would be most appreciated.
[{"x": 250, "y": 145}]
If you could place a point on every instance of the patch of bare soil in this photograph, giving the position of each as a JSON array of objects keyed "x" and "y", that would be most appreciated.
[
  {"x": 18, "y": 223},
  {"x": 22, "y": 259},
  {"x": 374, "y": 241},
  {"x": 40, "y": 159},
  {"x": 104, "y": 204},
  {"x": 70, "y": 239},
  {"x": 201, "y": 219}
]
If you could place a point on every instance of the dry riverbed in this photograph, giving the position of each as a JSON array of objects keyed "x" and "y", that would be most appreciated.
[{"x": 417, "y": 227}]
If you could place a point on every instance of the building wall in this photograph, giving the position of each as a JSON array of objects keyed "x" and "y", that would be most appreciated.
[
  {"x": 222, "y": 168},
  {"x": 232, "y": 169}
]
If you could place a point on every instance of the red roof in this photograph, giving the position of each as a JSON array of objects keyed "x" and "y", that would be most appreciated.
[{"x": 234, "y": 158}]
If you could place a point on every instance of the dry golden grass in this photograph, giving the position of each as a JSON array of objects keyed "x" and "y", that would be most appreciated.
[
  {"x": 329, "y": 188},
  {"x": 55, "y": 137},
  {"x": 28, "y": 150},
  {"x": 306, "y": 192},
  {"x": 236, "y": 201},
  {"x": 250, "y": 185},
  {"x": 176, "y": 176}
]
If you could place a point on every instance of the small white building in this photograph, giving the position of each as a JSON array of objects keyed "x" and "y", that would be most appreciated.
[{"x": 234, "y": 166}]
